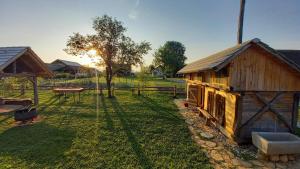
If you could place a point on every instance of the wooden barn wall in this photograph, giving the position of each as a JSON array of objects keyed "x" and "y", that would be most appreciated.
[
  {"x": 257, "y": 70},
  {"x": 268, "y": 121},
  {"x": 230, "y": 107},
  {"x": 230, "y": 104},
  {"x": 207, "y": 77}
]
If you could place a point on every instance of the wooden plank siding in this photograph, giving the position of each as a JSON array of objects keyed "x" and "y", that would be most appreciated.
[
  {"x": 260, "y": 91},
  {"x": 257, "y": 70},
  {"x": 268, "y": 120}
]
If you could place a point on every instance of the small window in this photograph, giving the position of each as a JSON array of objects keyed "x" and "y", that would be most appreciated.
[{"x": 222, "y": 73}]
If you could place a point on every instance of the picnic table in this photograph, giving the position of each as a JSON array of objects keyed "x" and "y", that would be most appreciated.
[
  {"x": 65, "y": 91},
  {"x": 4, "y": 109}
]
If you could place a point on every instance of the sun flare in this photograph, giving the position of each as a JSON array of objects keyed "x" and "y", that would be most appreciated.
[{"x": 92, "y": 52}]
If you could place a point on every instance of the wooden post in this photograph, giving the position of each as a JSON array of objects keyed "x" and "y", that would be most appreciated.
[
  {"x": 241, "y": 21},
  {"x": 139, "y": 90},
  {"x": 174, "y": 92},
  {"x": 113, "y": 90},
  {"x": 22, "y": 89},
  {"x": 15, "y": 67},
  {"x": 295, "y": 111},
  {"x": 101, "y": 90},
  {"x": 35, "y": 91}
]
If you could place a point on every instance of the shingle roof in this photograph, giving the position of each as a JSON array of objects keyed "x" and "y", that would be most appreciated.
[
  {"x": 219, "y": 60},
  {"x": 293, "y": 55},
  {"x": 68, "y": 63},
  {"x": 8, "y": 54}
]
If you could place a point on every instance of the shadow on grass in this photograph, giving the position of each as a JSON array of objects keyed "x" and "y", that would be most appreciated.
[
  {"x": 163, "y": 112},
  {"x": 39, "y": 144},
  {"x": 121, "y": 114},
  {"x": 109, "y": 122}
]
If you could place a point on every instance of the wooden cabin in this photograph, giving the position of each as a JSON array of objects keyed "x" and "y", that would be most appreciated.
[
  {"x": 64, "y": 66},
  {"x": 245, "y": 88},
  {"x": 23, "y": 62}
]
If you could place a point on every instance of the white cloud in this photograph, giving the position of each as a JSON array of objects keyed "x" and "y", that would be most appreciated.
[{"x": 133, "y": 14}]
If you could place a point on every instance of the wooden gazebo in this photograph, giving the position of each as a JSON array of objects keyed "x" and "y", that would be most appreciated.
[{"x": 23, "y": 62}]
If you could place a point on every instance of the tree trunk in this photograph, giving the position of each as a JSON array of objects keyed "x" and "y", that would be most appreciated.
[
  {"x": 241, "y": 21},
  {"x": 108, "y": 80}
]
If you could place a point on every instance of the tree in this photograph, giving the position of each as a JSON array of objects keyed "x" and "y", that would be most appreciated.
[
  {"x": 170, "y": 57},
  {"x": 111, "y": 46}
]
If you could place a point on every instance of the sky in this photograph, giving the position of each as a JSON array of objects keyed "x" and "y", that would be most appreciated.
[{"x": 203, "y": 26}]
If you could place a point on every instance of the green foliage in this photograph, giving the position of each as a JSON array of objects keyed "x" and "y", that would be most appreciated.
[
  {"x": 63, "y": 76},
  {"x": 112, "y": 47},
  {"x": 170, "y": 57},
  {"x": 144, "y": 76}
]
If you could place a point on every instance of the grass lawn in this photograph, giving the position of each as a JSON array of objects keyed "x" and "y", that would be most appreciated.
[{"x": 128, "y": 131}]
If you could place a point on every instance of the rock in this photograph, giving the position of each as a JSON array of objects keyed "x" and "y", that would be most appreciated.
[
  {"x": 216, "y": 155},
  {"x": 291, "y": 157},
  {"x": 188, "y": 121},
  {"x": 199, "y": 130},
  {"x": 231, "y": 155},
  {"x": 200, "y": 142},
  {"x": 245, "y": 164},
  {"x": 218, "y": 166},
  {"x": 206, "y": 135},
  {"x": 192, "y": 130},
  {"x": 283, "y": 158},
  {"x": 269, "y": 165},
  {"x": 242, "y": 163},
  {"x": 196, "y": 138},
  {"x": 261, "y": 156},
  {"x": 241, "y": 167},
  {"x": 274, "y": 158},
  {"x": 257, "y": 163},
  {"x": 210, "y": 144},
  {"x": 235, "y": 162},
  {"x": 281, "y": 166}
]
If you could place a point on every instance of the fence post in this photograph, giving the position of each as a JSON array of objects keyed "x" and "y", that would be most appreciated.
[
  {"x": 113, "y": 90},
  {"x": 139, "y": 90},
  {"x": 174, "y": 92},
  {"x": 101, "y": 90}
]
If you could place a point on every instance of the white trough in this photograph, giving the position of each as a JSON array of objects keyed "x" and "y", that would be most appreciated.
[{"x": 276, "y": 143}]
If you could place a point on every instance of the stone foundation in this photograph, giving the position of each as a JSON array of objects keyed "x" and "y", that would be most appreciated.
[{"x": 224, "y": 153}]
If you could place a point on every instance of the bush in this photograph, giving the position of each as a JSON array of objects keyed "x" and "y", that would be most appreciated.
[{"x": 63, "y": 76}]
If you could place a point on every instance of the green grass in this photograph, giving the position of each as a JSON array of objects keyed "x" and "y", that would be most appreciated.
[{"x": 128, "y": 131}]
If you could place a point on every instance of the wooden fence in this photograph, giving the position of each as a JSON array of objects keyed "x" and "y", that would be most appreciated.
[{"x": 168, "y": 89}]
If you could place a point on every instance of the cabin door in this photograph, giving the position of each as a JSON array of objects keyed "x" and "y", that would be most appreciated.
[
  {"x": 192, "y": 95},
  {"x": 220, "y": 110}
]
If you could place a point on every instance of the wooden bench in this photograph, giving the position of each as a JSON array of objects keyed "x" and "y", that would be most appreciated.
[{"x": 208, "y": 117}]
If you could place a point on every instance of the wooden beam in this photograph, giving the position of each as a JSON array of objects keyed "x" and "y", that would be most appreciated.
[
  {"x": 16, "y": 75},
  {"x": 278, "y": 115},
  {"x": 15, "y": 67},
  {"x": 35, "y": 91},
  {"x": 295, "y": 111},
  {"x": 266, "y": 106}
]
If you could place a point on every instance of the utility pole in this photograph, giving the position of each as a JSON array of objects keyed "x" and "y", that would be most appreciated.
[{"x": 241, "y": 20}]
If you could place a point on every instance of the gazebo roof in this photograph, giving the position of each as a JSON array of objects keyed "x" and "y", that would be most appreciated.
[{"x": 22, "y": 60}]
